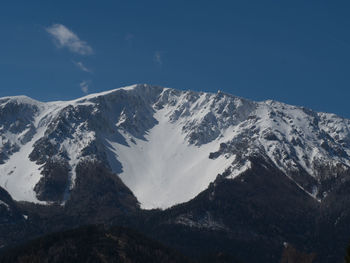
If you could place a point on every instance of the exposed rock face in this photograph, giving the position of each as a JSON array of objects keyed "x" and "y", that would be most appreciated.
[{"x": 16, "y": 125}]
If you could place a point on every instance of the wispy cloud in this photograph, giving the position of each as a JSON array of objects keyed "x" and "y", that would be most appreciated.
[
  {"x": 81, "y": 66},
  {"x": 64, "y": 37},
  {"x": 158, "y": 58},
  {"x": 84, "y": 86}
]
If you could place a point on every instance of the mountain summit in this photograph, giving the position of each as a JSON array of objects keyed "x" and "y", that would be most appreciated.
[
  {"x": 165, "y": 145},
  {"x": 231, "y": 175}
]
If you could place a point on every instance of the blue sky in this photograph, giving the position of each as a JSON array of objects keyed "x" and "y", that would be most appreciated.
[{"x": 297, "y": 52}]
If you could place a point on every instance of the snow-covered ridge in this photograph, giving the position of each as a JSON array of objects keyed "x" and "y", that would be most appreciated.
[{"x": 166, "y": 145}]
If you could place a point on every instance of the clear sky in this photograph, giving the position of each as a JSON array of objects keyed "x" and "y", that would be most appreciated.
[{"x": 296, "y": 52}]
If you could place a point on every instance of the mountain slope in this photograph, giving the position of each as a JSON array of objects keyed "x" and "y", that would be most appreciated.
[
  {"x": 159, "y": 139},
  {"x": 250, "y": 218},
  {"x": 234, "y": 177}
]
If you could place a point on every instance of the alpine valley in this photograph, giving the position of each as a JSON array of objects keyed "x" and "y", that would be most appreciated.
[{"x": 215, "y": 177}]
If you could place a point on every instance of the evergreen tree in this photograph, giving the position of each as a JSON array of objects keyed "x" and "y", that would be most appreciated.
[{"x": 347, "y": 256}]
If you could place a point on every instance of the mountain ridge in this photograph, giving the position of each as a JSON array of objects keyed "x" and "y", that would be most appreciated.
[
  {"x": 221, "y": 129},
  {"x": 230, "y": 176}
]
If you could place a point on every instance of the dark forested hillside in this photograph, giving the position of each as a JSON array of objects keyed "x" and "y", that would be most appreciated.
[{"x": 92, "y": 244}]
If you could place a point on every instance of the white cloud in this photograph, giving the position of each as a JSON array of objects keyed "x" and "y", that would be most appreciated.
[
  {"x": 158, "y": 57},
  {"x": 84, "y": 86},
  {"x": 81, "y": 66},
  {"x": 64, "y": 37}
]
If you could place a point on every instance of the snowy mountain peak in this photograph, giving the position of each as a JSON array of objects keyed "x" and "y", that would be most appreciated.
[
  {"x": 157, "y": 140},
  {"x": 22, "y": 99}
]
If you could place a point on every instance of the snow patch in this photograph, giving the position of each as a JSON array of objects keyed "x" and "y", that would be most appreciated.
[
  {"x": 164, "y": 170},
  {"x": 239, "y": 169}
]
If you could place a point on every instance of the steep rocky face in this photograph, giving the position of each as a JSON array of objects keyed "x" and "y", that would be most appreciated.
[{"x": 16, "y": 125}]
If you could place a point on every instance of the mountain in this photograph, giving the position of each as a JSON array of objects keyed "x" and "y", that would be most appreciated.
[
  {"x": 158, "y": 139},
  {"x": 229, "y": 175}
]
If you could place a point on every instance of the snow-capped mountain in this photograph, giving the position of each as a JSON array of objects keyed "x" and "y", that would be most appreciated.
[{"x": 166, "y": 145}]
